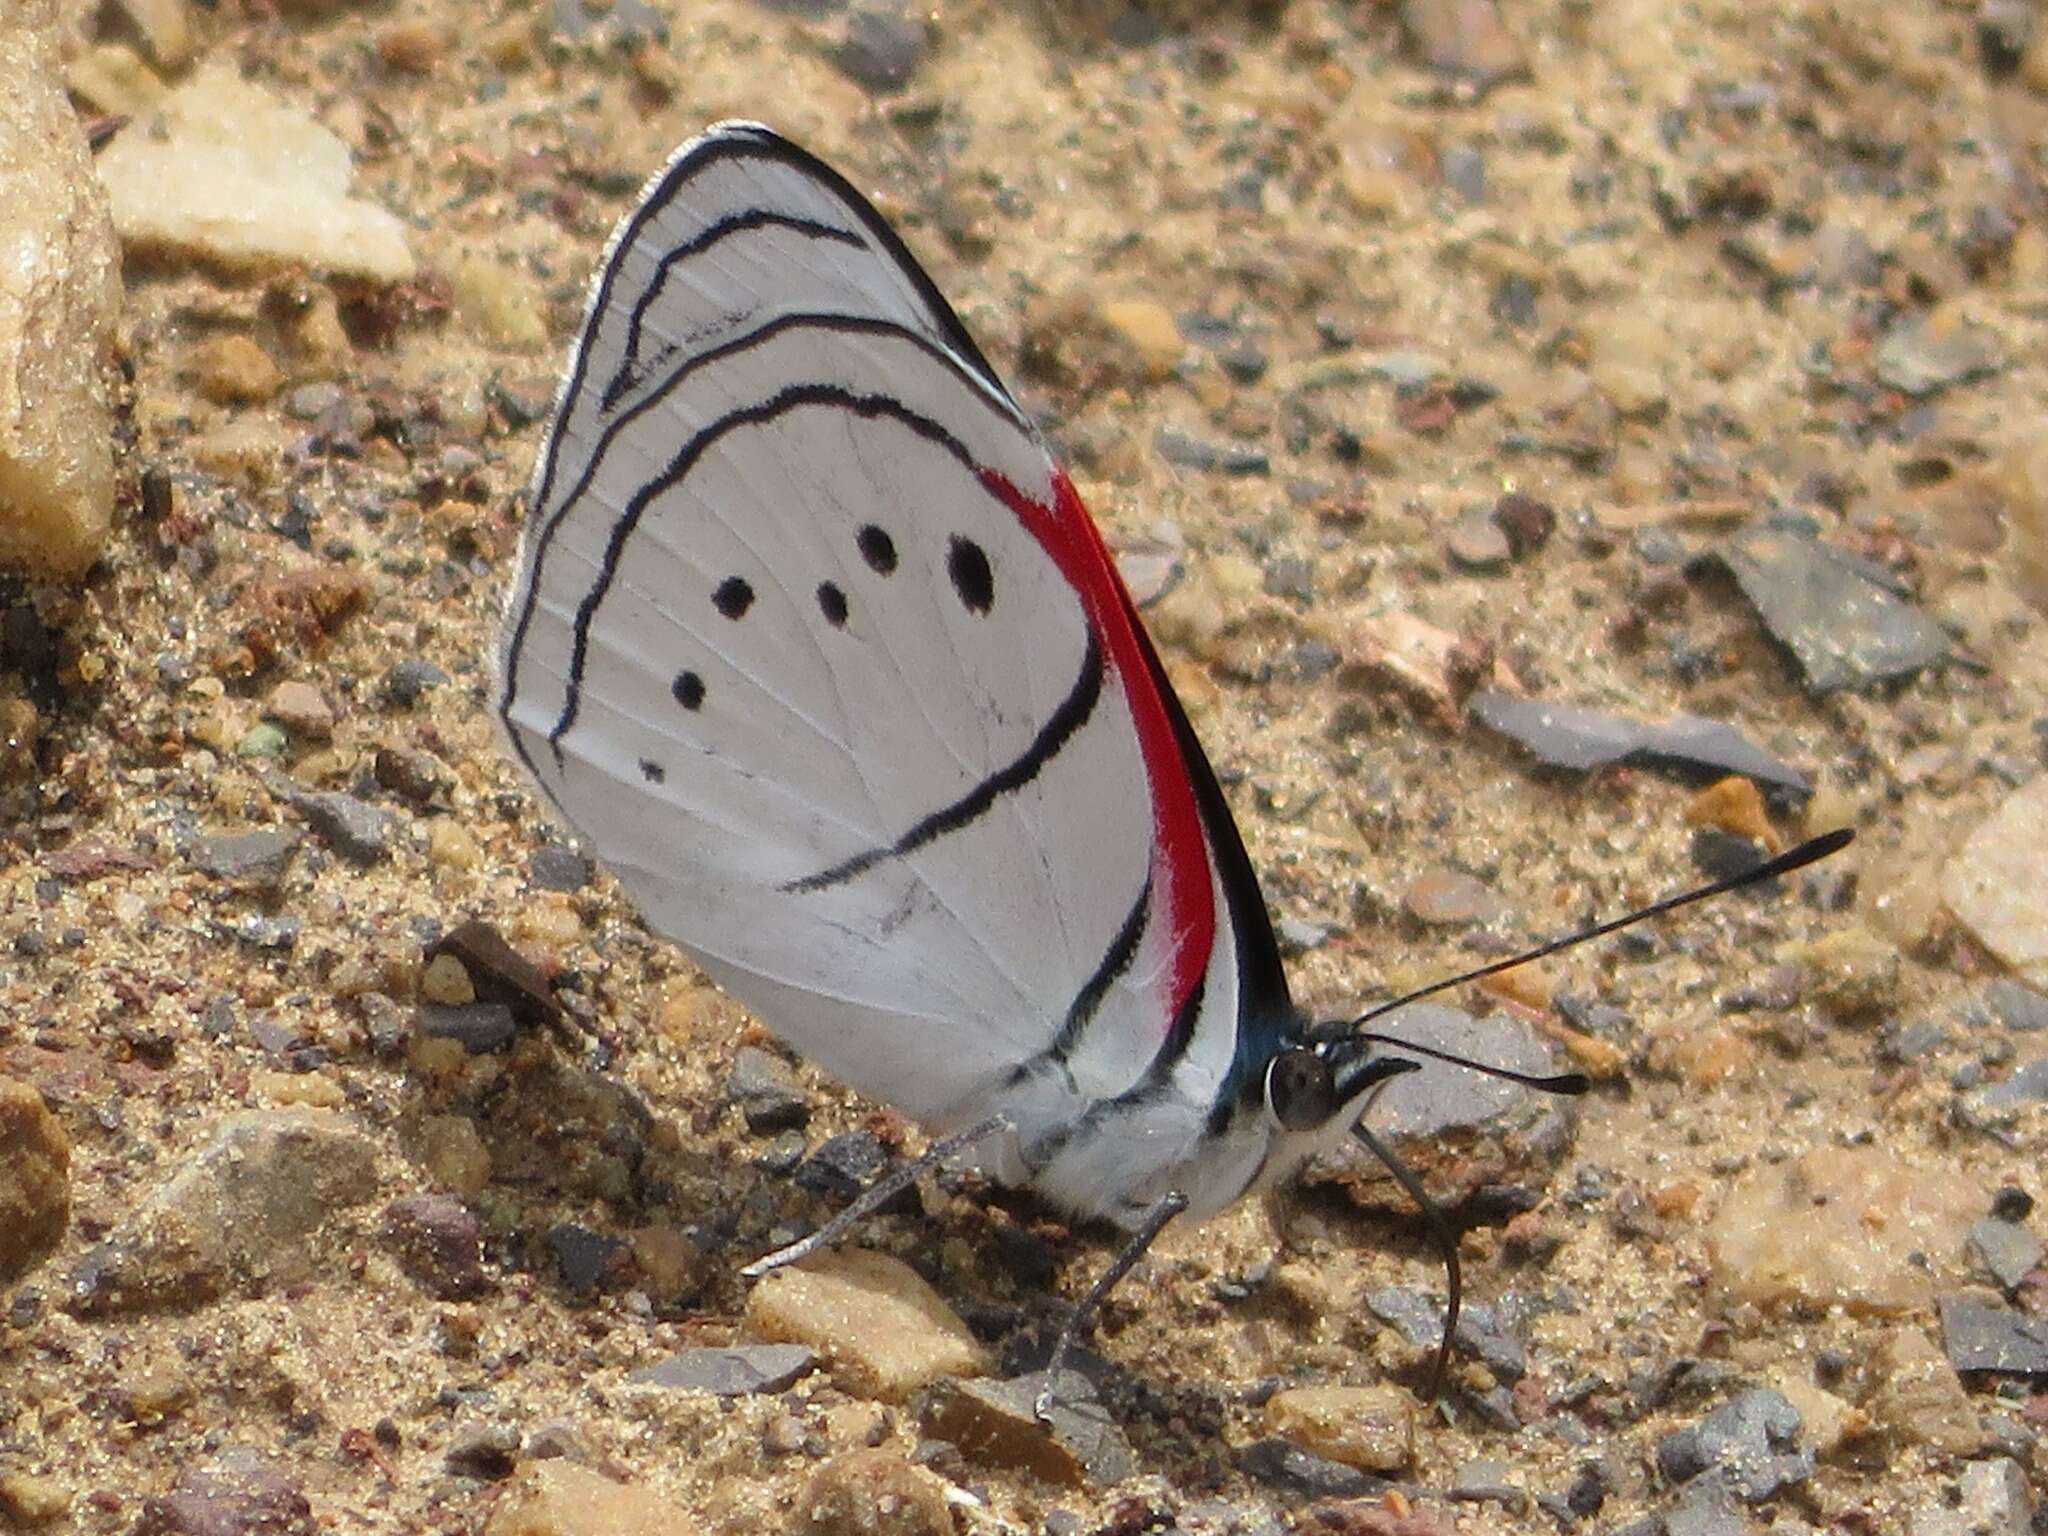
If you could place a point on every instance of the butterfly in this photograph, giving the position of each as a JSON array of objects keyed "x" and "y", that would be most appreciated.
[{"x": 814, "y": 643}]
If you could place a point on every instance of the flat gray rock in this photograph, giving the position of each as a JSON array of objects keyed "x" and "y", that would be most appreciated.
[
  {"x": 1843, "y": 618},
  {"x": 744, "y": 1370},
  {"x": 1577, "y": 740}
]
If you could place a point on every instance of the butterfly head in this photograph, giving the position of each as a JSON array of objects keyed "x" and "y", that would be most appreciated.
[{"x": 1313, "y": 1085}]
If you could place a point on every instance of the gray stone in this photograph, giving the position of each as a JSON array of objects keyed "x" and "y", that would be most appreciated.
[
  {"x": 1285, "y": 1466},
  {"x": 1193, "y": 453},
  {"x": 1432, "y": 1104},
  {"x": 1706, "y": 1507},
  {"x": 1751, "y": 1440},
  {"x": 2015, "y": 1007},
  {"x": 2007, "y": 1251},
  {"x": 2026, "y": 1084},
  {"x": 1481, "y": 1330},
  {"x": 744, "y": 1370},
  {"x": 256, "y": 858},
  {"x": 1980, "y": 1336},
  {"x": 842, "y": 1165},
  {"x": 1842, "y": 617},
  {"x": 409, "y": 680},
  {"x": 556, "y": 868},
  {"x": 1991, "y": 1501},
  {"x": 1584, "y": 740},
  {"x": 235, "y": 1218},
  {"x": 478, "y": 1027},
  {"x": 354, "y": 828},
  {"x": 883, "y": 48},
  {"x": 1920, "y": 359},
  {"x": 766, "y": 1091}
]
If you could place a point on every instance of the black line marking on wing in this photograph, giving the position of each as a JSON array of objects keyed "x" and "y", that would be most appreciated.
[
  {"x": 630, "y": 371},
  {"x": 1116, "y": 960},
  {"x": 1058, "y": 730},
  {"x": 1151, "y": 1082},
  {"x": 1000, "y": 406}
]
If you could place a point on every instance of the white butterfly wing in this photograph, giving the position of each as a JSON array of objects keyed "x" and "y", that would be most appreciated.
[{"x": 814, "y": 646}]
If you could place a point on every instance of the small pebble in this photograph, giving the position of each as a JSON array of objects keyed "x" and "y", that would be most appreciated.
[
  {"x": 882, "y": 1331},
  {"x": 883, "y": 48},
  {"x": 1477, "y": 542},
  {"x": 995, "y": 1423},
  {"x": 438, "y": 1242},
  {"x": 873, "y": 1493},
  {"x": 257, "y": 858},
  {"x": 233, "y": 370},
  {"x": 556, "y": 868},
  {"x": 744, "y": 1370},
  {"x": 767, "y": 1092},
  {"x": 1371, "y": 1428},
  {"x": 356, "y": 829},
  {"x": 301, "y": 709},
  {"x": 408, "y": 681}
]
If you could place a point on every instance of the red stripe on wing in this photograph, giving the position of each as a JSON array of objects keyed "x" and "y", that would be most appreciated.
[{"x": 1180, "y": 859}]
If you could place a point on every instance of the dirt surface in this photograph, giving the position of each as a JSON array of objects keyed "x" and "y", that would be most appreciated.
[{"x": 1646, "y": 277}]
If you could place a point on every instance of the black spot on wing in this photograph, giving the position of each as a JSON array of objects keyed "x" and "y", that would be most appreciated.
[
  {"x": 688, "y": 689},
  {"x": 877, "y": 548},
  {"x": 967, "y": 566},
  {"x": 652, "y": 771},
  {"x": 733, "y": 597},
  {"x": 625, "y": 520},
  {"x": 1058, "y": 730},
  {"x": 832, "y": 604}
]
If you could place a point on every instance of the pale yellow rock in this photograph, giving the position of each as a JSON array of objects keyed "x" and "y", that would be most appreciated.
[
  {"x": 1919, "y": 1399},
  {"x": 113, "y": 79},
  {"x": 29, "y": 1500},
  {"x": 1851, "y": 972},
  {"x": 556, "y": 1498},
  {"x": 1840, "y": 1227},
  {"x": 35, "y": 1179},
  {"x": 1826, "y": 1421},
  {"x": 452, "y": 845},
  {"x": 1371, "y": 1428},
  {"x": 873, "y": 1493},
  {"x": 60, "y": 298},
  {"x": 455, "y": 1155},
  {"x": 880, "y": 1329},
  {"x": 1631, "y": 353},
  {"x": 446, "y": 981},
  {"x": 1994, "y": 885},
  {"x": 1147, "y": 329},
  {"x": 224, "y": 171},
  {"x": 498, "y": 303},
  {"x": 166, "y": 28}
]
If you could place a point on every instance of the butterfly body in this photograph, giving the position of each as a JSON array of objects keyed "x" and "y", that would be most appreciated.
[{"x": 816, "y": 646}]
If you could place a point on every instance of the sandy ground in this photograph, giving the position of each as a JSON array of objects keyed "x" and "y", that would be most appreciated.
[{"x": 1666, "y": 246}]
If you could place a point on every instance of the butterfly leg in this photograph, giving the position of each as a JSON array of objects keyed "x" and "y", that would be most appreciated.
[
  {"x": 1446, "y": 1240},
  {"x": 875, "y": 1196},
  {"x": 1168, "y": 1206}
]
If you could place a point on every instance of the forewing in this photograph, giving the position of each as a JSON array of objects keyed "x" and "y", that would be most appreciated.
[{"x": 808, "y": 644}]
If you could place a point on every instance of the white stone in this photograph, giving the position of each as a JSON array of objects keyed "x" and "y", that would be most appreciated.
[
  {"x": 225, "y": 171},
  {"x": 1994, "y": 885}
]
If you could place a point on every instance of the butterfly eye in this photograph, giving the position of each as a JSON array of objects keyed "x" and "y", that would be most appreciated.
[{"x": 1300, "y": 1095}]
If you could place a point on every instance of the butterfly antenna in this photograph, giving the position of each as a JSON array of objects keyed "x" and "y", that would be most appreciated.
[{"x": 1808, "y": 852}]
